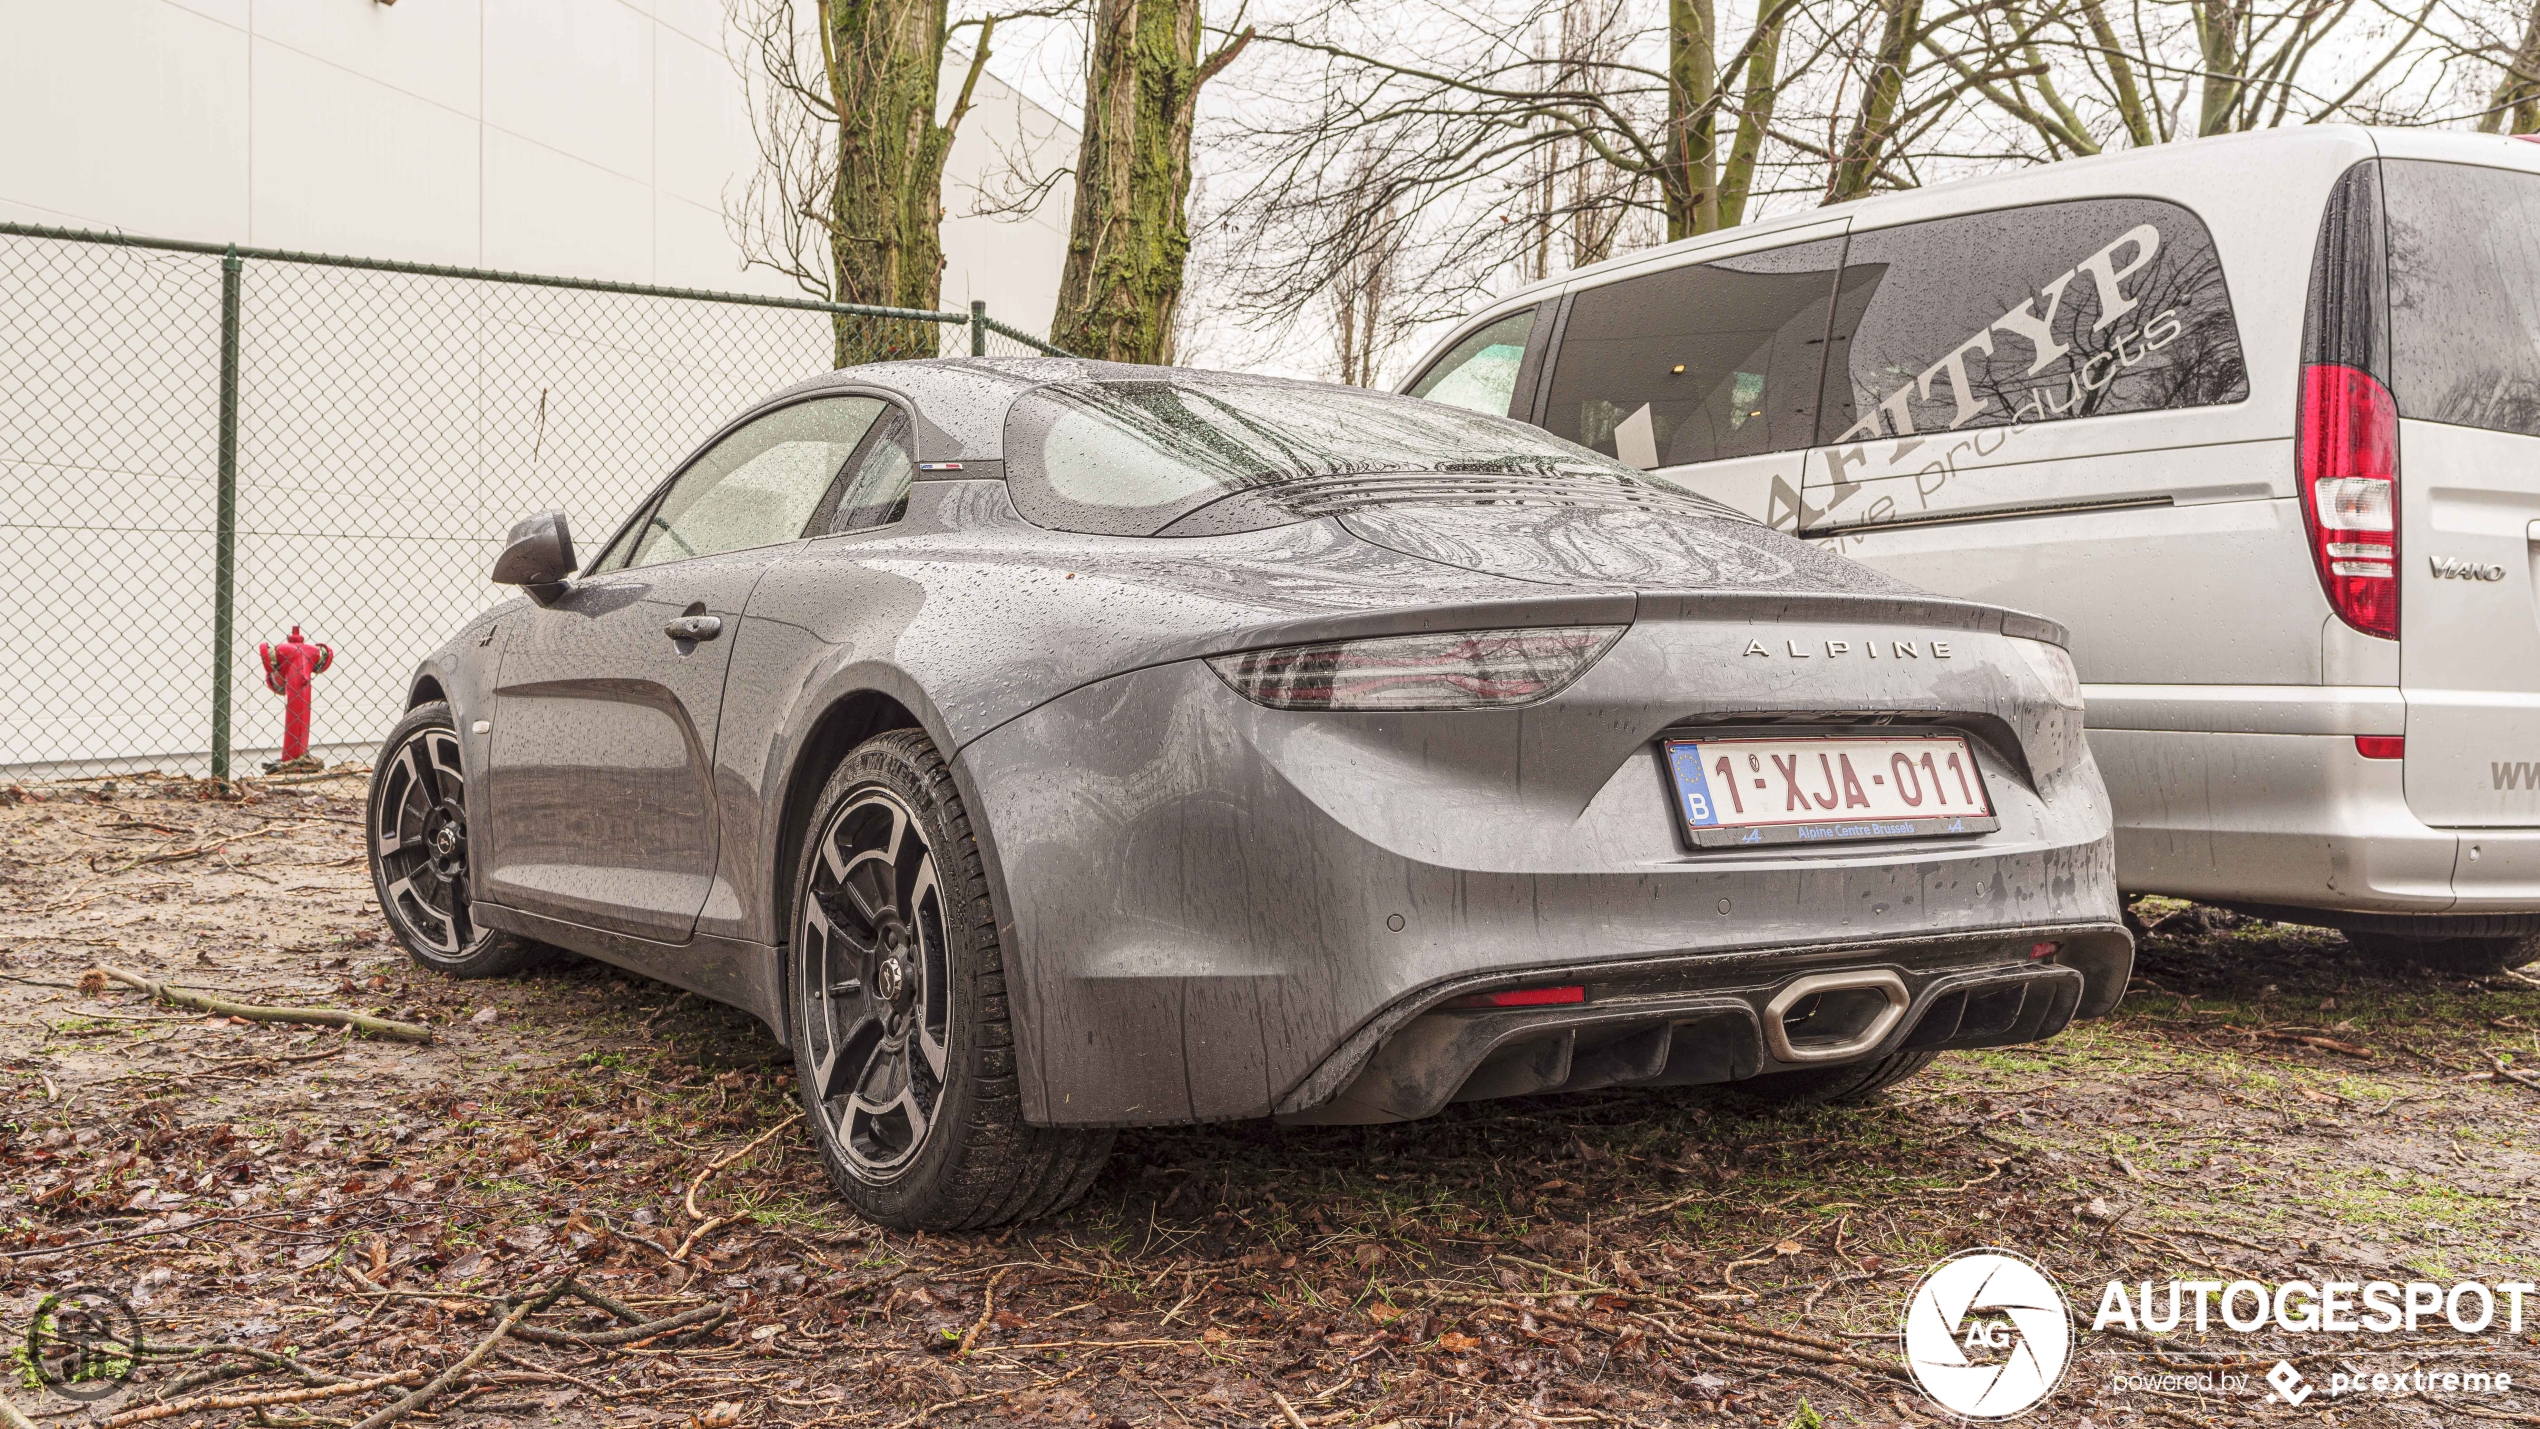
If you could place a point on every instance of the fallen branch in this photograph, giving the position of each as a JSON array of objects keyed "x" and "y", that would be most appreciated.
[
  {"x": 176, "y": 855},
  {"x": 2510, "y": 1074},
  {"x": 2325, "y": 1044},
  {"x": 931, "y": 1410},
  {"x": 222, "y": 1007},
  {"x": 301, "y": 1395},
  {"x": 484, "y": 1347},
  {"x": 987, "y": 1312},
  {"x": 702, "y": 1176},
  {"x": 10, "y": 1418},
  {"x": 681, "y": 1254},
  {"x": 704, "y": 1316}
]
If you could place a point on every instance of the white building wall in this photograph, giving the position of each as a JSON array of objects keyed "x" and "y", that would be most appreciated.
[
  {"x": 585, "y": 138},
  {"x": 391, "y": 427}
]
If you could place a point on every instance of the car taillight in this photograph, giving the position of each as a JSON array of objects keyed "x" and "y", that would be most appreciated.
[
  {"x": 2348, "y": 480},
  {"x": 1461, "y": 670},
  {"x": 2381, "y": 746}
]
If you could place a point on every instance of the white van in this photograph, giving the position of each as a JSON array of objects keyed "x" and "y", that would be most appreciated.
[{"x": 2257, "y": 417}]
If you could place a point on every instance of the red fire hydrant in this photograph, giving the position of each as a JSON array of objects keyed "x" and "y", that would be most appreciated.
[{"x": 288, "y": 668}]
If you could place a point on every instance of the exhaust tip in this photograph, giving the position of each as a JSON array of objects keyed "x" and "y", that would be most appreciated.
[{"x": 1829, "y": 1017}]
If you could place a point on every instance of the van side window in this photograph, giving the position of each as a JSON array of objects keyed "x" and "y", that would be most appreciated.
[
  {"x": 2029, "y": 315},
  {"x": 1696, "y": 363},
  {"x": 2464, "y": 294},
  {"x": 1479, "y": 374}
]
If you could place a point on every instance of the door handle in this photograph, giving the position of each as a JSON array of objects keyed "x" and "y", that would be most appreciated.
[{"x": 694, "y": 627}]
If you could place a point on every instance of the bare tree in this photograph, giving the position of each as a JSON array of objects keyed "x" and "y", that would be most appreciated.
[
  {"x": 847, "y": 196},
  {"x": 1508, "y": 151},
  {"x": 1130, "y": 233}
]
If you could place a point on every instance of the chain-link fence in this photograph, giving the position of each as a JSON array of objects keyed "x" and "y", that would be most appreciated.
[{"x": 201, "y": 447}]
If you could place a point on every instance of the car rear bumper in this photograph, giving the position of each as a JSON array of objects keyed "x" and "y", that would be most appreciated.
[
  {"x": 2298, "y": 821},
  {"x": 1216, "y": 910},
  {"x": 1707, "y": 1020}
]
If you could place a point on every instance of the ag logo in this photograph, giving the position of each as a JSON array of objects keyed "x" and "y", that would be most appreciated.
[{"x": 1987, "y": 1335}]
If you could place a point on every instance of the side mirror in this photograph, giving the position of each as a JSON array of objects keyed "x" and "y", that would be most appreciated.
[{"x": 537, "y": 556}]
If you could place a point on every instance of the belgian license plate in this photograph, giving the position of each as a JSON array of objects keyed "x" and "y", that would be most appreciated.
[{"x": 1822, "y": 789}]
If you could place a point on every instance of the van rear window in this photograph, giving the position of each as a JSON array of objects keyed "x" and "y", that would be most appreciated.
[
  {"x": 2028, "y": 315},
  {"x": 2464, "y": 293}
]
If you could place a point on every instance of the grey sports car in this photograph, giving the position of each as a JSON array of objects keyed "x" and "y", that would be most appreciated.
[{"x": 1043, "y": 747}]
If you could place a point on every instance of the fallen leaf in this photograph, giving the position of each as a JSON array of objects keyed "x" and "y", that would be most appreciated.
[
  {"x": 1369, "y": 1255},
  {"x": 1456, "y": 1344}
]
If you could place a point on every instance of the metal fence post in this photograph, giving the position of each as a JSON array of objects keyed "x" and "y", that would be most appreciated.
[
  {"x": 978, "y": 327},
  {"x": 225, "y": 517}
]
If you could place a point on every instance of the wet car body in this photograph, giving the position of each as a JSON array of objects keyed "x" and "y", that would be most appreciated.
[{"x": 1213, "y": 908}]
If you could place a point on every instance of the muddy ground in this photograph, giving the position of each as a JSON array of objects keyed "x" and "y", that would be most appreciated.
[{"x": 302, "y": 1208}]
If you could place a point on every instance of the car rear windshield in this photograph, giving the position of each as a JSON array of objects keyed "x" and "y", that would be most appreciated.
[
  {"x": 2465, "y": 293},
  {"x": 1129, "y": 458}
]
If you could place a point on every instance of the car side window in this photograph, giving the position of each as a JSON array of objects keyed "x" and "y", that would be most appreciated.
[
  {"x": 758, "y": 486},
  {"x": 1698, "y": 363},
  {"x": 2464, "y": 294},
  {"x": 872, "y": 489},
  {"x": 2028, "y": 315},
  {"x": 1479, "y": 374}
]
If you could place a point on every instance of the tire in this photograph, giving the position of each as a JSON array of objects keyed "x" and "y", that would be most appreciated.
[
  {"x": 2465, "y": 956},
  {"x": 415, "y": 824},
  {"x": 1819, "y": 1086},
  {"x": 895, "y": 987}
]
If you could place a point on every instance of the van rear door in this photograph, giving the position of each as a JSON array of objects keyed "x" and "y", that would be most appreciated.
[{"x": 2464, "y": 315}]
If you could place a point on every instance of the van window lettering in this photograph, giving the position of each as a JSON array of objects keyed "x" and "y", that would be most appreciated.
[
  {"x": 1698, "y": 363},
  {"x": 2027, "y": 315},
  {"x": 2464, "y": 294}
]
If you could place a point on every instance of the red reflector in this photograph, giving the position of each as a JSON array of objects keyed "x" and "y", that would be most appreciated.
[
  {"x": 2381, "y": 746},
  {"x": 2043, "y": 950},
  {"x": 1523, "y": 997}
]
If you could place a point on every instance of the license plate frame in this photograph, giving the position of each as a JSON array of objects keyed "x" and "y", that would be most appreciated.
[{"x": 1690, "y": 764}]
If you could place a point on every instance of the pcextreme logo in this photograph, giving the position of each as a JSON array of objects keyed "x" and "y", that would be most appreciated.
[{"x": 1987, "y": 1334}]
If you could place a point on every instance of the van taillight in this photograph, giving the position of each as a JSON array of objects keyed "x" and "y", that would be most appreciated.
[{"x": 2348, "y": 479}]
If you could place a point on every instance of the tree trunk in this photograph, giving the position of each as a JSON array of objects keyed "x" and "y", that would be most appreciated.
[
  {"x": 1857, "y": 168},
  {"x": 2515, "y": 106},
  {"x": 2218, "y": 26},
  {"x": 2121, "y": 81},
  {"x": 1693, "y": 122},
  {"x": 1754, "y": 115},
  {"x": 1131, "y": 231},
  {"x": 886, "y": 212}
]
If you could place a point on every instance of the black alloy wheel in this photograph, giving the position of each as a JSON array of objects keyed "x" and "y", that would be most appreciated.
[
  {"x": 875, "y": 983},
  {"x": 904, "y": 1043},
  {"x": 418, "y": 841}
]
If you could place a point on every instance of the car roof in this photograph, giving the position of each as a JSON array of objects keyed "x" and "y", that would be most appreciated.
[{"x": 959, "y": 403}]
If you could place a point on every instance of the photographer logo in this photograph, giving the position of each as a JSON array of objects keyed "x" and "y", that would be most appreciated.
[
  {"x": 83, "y": 1343},
  {"x": 1987, "y": 1335}
]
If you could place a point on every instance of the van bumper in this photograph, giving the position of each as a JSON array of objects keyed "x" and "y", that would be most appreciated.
[{"x": 2297, "y": 821}]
